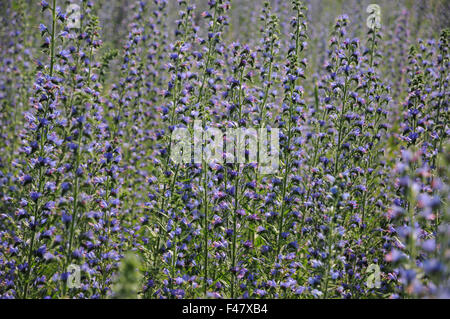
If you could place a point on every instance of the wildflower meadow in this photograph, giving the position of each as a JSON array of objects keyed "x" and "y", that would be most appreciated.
[{"x": 235, "y": 149}]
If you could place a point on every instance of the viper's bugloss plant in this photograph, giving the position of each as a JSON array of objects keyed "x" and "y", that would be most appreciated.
[
  {"x": 420, "y": 211},
  {"x": 95, "y": 97}
]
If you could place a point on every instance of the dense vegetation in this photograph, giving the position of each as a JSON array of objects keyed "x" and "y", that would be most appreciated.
[{"x": 358, "y": 207}]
